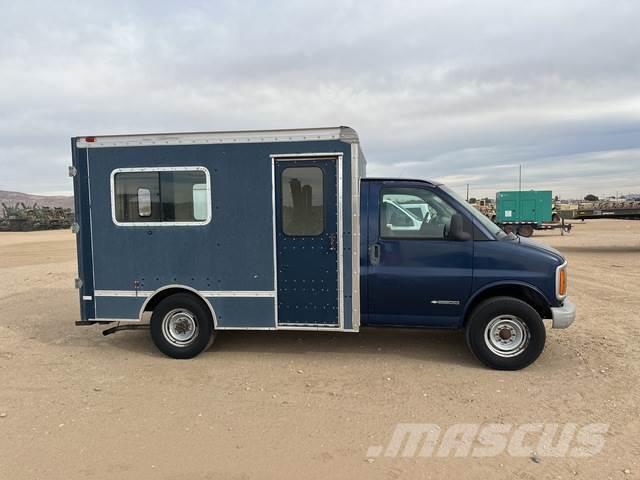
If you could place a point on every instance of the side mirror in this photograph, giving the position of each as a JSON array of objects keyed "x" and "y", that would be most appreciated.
[{"x": 456, "y": 231}]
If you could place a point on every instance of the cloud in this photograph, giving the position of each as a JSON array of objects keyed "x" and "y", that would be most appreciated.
[{"x": 457, "y": 91}]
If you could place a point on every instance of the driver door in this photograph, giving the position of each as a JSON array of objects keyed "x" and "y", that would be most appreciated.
[{"x": 418, "y": 274}]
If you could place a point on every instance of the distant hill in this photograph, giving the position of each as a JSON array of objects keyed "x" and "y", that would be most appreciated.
[{"x": 11, "y": 198}]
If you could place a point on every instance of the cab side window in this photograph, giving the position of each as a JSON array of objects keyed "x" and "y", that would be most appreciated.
[{"x": 417, "y": 213}]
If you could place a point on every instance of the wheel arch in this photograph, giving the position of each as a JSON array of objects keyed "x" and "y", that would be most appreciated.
[
  {"x": 160, "y": 294},
  {"x": 520, "y": 290}
]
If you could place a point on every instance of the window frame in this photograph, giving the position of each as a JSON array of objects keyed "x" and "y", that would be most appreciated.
[
  {"x": 161, "y": 169},
  {"x": 386, "y": 189},
  {"x": 322, "y": 177}
]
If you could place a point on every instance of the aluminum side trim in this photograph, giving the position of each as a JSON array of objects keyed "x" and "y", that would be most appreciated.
[
  {"x": 340, "y": 246},
  {"x": 274, "y": 239},
  {"x": 355, "y": 237},
  {"x": 204, "y": 293},
  {"x": 303, "y": 156}
]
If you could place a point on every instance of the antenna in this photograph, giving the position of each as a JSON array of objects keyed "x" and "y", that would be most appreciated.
[{"x": 520, "y": 179}]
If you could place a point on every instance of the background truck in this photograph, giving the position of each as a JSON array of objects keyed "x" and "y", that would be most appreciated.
[
  {"x": 192, "y": 234},
  {"x": 524, "y": 211}
]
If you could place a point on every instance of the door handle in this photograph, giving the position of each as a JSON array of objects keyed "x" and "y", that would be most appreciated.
[{"x": 374, "y": 253}]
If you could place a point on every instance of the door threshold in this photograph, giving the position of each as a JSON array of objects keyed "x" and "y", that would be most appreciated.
[{"x": 309, "y": 326}]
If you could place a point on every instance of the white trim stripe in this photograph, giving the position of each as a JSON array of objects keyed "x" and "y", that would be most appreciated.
[
  {"x": 247, "y": 293},
  {"x": 204, "y": 293},
  {"x": 122, "y": 293}
]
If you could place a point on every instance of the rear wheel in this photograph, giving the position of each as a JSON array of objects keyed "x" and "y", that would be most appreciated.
[
  {"x": 181, "y": 326},
  {"x": 505, "y": 333},
  {"x": 508, "y": 229}
]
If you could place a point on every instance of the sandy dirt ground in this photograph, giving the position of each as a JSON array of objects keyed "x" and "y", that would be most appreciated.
[{"x": 75, "y": 404}]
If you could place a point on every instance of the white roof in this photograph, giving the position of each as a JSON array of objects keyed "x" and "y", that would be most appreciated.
[{"x": 345, "y": 134}]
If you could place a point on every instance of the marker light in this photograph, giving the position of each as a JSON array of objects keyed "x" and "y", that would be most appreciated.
[{"x": 562, "y": 282}]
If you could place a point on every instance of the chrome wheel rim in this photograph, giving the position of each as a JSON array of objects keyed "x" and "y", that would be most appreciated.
[
  {"x": 506, "y": 336},
  {"x": 180, "y": 327}
]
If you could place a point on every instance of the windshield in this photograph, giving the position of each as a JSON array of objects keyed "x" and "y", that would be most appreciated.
[{"x": 487, "y": 223}]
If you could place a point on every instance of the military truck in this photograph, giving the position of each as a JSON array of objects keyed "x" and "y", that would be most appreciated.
[{"x": 24, "y": 218}]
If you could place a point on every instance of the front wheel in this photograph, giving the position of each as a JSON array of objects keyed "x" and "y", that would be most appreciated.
[
  {"x": 505, "y": 333},
  {"x": 181, "y": 326}
]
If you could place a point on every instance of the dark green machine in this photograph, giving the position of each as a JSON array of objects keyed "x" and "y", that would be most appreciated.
[
  {"x": 522, "y": 212},
  {"x": 528, "y": 206}
]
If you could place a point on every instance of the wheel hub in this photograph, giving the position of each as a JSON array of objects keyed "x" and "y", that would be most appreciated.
[
  {"x": 180, "y": 327},
  {"x": 507, "y": 336},
  {"x": 505, "y": 333}
]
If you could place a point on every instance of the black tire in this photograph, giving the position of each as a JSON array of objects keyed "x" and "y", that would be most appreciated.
[
  {"x": 503, "y": 310},
  {"x": 508, "y": 229},
  {"x": 525, "y": 230},
  {"x": 187, "y": 314},
  {"x": 555, "y": 218}
]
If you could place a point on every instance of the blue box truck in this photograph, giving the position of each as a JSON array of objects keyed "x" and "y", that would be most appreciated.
[{"x": 190, "y": 234}]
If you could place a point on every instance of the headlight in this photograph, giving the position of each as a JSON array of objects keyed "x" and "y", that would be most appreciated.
[{"x": 561, "y": 281}]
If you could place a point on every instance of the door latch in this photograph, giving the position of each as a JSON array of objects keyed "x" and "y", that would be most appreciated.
[
  {"x": 374, "y": 253},
  {"x": 333, "y": 242}
]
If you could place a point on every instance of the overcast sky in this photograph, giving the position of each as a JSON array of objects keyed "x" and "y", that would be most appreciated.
[{"x": 461, "y": 92}]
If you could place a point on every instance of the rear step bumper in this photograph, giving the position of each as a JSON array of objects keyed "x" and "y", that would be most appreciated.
[{"x": 117, "y": 328}]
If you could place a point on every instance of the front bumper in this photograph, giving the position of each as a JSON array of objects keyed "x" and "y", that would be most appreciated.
[{"x": 563, "y": 316}]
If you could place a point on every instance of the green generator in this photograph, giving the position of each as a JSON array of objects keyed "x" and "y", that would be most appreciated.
[{"x": 530, "y": 206}]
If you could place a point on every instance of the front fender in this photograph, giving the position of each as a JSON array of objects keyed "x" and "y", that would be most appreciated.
[{"x": 503, "y": 287}]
